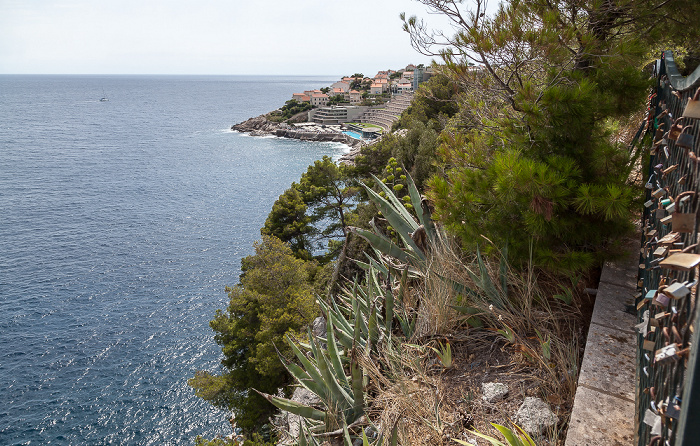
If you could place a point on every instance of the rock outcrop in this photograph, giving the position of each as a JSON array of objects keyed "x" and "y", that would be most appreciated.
[
  {"x": 258, "y": 126},
  {"x": 261, "y": 126}
]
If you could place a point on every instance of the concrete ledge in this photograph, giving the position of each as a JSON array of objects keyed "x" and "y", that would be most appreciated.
[{"x": 604, "y": 408}]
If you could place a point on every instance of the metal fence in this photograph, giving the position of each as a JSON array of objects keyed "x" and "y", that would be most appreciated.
[{"x": 668, "y": 375}]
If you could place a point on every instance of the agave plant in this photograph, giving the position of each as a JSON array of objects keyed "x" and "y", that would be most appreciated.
[
  {"x": 517, "y": 438},
  {"x": 323, "y": 374},
  {"x": 413, "y": 257},
  {"x": 403, "y": 223},
  {"x": 307, "y": 438}
]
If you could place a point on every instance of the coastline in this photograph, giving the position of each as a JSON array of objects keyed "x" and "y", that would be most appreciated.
[{"x": 261, "y": 126}]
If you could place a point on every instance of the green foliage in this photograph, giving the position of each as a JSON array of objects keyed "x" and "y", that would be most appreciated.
[
  {"x": 531, "y": 154},
  {"x": 337, "y": 99},
  {"x": 314, "y": 211},
  {"x": 201, "y": 441},
  {"x": 274, "y": 299},
  {"x": 289, "y": 109},
  {"x": 433, "y": 104},
  {"x": 513, "y": 438},
  {"x": 444, "y": 353},
  {"x": 289, "y": 222}
]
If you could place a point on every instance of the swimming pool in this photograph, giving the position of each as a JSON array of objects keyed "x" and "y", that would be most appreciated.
[{"x": 352, "y": 134}]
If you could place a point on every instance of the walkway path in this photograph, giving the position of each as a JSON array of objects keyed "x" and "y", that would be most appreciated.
[{"x": 604, "y": 407}]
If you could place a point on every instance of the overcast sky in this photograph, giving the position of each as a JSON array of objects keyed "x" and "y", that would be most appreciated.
[{"x": 205, "y": 36}]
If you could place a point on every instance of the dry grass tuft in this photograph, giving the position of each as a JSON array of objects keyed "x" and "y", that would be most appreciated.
[{"x": 530, "y": 341}]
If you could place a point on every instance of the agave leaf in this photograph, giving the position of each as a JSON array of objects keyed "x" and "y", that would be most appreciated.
[
  {"x": 388, "y": 308},
  {"x": 347, "y": 441},
  {"x": 302, "y": 377},
  {"x": 383, "y": 244},
  {"x": 379, "y": 267},
  {"x": 359, "y": 321},
  {"x": 294, "y": 407},
  {"x": 339, "y": 397},
  {"x": 527, "y": 439},
  {"x": 341, "y": 319},
  {"x": 363, "y": 265},
  {"x": 415, "y": 199},
  {"x": 398, "y": 217},
  {"x": 335, "y": 356},
  {"x": 508, "y": 434},
  {"x": 393, "y": 202},
  {"x": 373, "y": 329},
  {"x": 486, "y": 283},
  {"x": 358, "y": 391},
  {"x": 394, "y": 440},
  {"x": 492, "y": 440},
  {"x": 308, "y": 366}
]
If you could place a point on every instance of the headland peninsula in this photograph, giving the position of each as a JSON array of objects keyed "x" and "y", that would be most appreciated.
[{"x": 356, "y": 110}]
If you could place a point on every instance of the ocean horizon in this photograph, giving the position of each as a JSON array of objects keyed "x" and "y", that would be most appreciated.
[{"x": 123, "y": 221}]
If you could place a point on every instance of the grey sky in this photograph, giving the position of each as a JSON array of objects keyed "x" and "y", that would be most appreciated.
[{"x": 204, "y": 36}]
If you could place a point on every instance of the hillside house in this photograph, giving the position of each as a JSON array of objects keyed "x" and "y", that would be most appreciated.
[{"x": 319, "y": 99}]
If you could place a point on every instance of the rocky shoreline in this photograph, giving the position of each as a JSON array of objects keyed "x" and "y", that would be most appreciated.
[{"x": 261, "y": 126}]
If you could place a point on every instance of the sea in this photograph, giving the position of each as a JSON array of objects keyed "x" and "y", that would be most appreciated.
[{"x": 121, "y": 223}]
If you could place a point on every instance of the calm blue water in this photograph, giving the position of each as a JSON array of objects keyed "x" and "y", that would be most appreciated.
[
  {"x": 352, "y": 134},
  {"x": 120, "y": 224}
]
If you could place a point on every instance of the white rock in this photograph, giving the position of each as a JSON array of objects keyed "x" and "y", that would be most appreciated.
[
  {"x": 318, "y": 327},
  {"x": 534, "y": 416},
  {"x": 492, "y": 392},
  {"x": 293, "y": 422}
]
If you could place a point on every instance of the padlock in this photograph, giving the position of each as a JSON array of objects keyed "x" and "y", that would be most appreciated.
[
  {"x": 661, "y": 299},
  {"x": 659, "y": 133},
  {"x": 660, "y": 212},
  {"x": 666, "y": 355},
  {"x": 676, "y": 129},
  {"x": 673, "y": 409},
  {"x": 685, "y": 140},
  {"x": 658, "y": 193},
  {"x": 692, "y": 109},
  {"x": 683, "y": 221},
  {"x": 676, "y": 290}
]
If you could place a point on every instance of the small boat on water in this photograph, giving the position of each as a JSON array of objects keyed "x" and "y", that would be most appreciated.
[{"x": 104, "y": 96}]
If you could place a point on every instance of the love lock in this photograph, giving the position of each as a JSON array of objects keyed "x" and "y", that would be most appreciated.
[
  {"x": 666, "y": 355},
  {"x": 684, "y": 221},
  {"x": 685, "y": 140},
  {"x": 676, "y": 129},
  {"x": 692, "y": 109}
]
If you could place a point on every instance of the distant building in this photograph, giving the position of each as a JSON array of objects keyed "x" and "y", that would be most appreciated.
[
  {"x": 312, "y": 92},
  {"x": 336, "y": 92},
  {"x": 377, "y": 88},
  {"x": 345, "y": 86},
  {"x": 403, "y": 86},
  {"x": 301, "y": 97},
  {"x": 336, "y": 114},
  {"x": 355, "y": 96},
  {"x": 421, "y": 75},
  {"x": 319, "y": 99}
]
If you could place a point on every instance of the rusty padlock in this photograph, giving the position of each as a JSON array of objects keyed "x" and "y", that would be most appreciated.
[
  {"x": 685, "y": 139},
  {"x": 692, "y": 109},
  {"x": 659, "y": 133},
  {"x": 683, "y": 221},
  {"x": 676, "y": 129}
]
